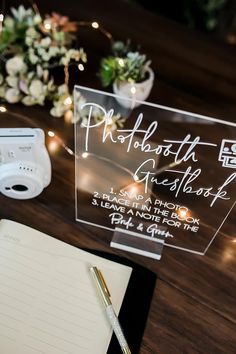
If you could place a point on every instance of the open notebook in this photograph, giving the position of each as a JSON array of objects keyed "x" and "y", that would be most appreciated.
[{"x": 48, "y": 300}]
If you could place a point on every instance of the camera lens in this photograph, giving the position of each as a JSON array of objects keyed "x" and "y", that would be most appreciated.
[{"x": 19, "y": 188}]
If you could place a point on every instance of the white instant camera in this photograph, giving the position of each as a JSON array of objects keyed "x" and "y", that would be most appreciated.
[{"x": 25, "y": 167}]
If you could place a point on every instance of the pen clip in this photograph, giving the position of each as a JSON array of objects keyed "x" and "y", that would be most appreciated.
[
  {"x": 101, "y": 285},
  {"x": 104, "y": 283}
]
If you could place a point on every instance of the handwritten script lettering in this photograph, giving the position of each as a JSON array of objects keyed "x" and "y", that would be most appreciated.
[{"x": 187, "y": 180}]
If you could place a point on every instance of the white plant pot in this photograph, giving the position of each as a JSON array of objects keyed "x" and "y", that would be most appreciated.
[{"x": 134, "y": 92}]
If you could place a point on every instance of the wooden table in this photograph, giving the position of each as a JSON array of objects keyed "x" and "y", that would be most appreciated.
[{"x": 193, "y": 308}]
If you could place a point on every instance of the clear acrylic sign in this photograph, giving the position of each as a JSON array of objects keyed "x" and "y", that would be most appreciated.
[{"x": 164, "y": 175}]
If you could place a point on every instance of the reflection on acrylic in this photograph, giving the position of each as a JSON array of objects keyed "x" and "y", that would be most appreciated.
[{"x": 154, "y": 176}]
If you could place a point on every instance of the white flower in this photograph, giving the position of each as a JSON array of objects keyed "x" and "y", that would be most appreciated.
[
  {"x": 84, "y": 121},
  {"x": 45, "y": 57},
  {"x": 45, "y": 42},
  {"x": 12, "y": 95},
  {"x": 37, "y": 19},
  {"x": 62, "y": 89},
  {"x": 2, "y": 91},
  {"x": 53, "y": 51},
  {"x": 50, "y": 87},
  {"x": 29, "y": 41},
  {"x": 45, "y": 75},
  {"x": 36, "y": 94},
  {"x": 31, "y": 36},
  {"x": 33, "y": 58},
  {"x": 71, "y": 54},
  {"x": 36, "y": 88},
  {"x": 57, "y": 111},
  {"x": 9, "y": 22},
  {"x": 15, "y": 65},
  {"x": 83, "y": 55},
  {"x": 41, "y": 51},
  {"x": 29, "y": 101},
  {"x": 81, "y": 103},
  {"x": 31, "y": 32},
  {"x": 30, "y": 75},
  {"x": 12, "y": 81},
  {"x": 63, "y": 50},
  {"x": 39, "y": 71}
]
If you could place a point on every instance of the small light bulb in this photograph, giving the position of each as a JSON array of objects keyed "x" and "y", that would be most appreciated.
[
  {"x": 68, "y": 101},
  {"x": 136, "y": 178},
  {"x": 133, "y": 190},
  {"x": 81, "y": 67},
  {"x": 85, "y": 155},
  {"x": 47, "y": 25},
  {"x": 51, "y": 134},
  {"x": 53, "y": 146},
  {"x": 133, "y": 90},
  {"x": 95, "y": 25},
  {"x": 70, "y": 151},
  {"x": 3, "y": 109},
  {"x": 68, "y": 116},
  {"x": 121, "y": 62},
  {"x": 182, "y": 213}
]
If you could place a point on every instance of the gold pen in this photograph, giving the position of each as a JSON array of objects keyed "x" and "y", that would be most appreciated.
[{"x": 106, "y": 297}]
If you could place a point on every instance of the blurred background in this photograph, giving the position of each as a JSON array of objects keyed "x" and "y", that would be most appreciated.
[{"x": 215, "y": 17}]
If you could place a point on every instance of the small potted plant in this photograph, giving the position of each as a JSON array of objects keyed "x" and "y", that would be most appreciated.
[{"x": 129, "y": 72}]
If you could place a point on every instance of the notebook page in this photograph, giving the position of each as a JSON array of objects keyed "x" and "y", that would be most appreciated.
[{"x": 48, "y": 300}]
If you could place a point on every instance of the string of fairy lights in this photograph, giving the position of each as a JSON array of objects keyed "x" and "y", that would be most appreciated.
[{"x": 56, "y": 142}]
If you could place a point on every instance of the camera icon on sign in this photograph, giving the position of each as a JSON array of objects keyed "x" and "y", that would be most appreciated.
[{"x": 227, "y": 153}]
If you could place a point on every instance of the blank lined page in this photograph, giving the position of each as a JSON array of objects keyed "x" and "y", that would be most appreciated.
[{"x": 48, "y": 301}]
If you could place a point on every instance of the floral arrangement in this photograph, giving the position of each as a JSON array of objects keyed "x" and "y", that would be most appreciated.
[
  {"x": 30, "y": 48},
  {"x": 124, "y": 64}
]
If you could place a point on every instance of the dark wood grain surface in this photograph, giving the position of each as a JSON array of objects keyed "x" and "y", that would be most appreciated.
[{"x": 193, "y": 308}]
